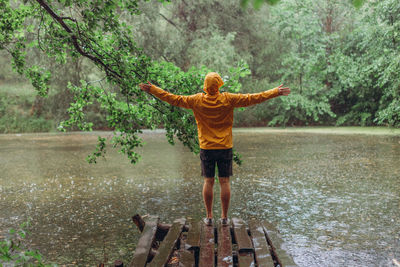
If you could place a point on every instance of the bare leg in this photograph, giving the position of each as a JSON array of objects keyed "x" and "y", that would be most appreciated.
[
  {"x": 208, "y": 195},
  {"x": 225, "y": 195}
]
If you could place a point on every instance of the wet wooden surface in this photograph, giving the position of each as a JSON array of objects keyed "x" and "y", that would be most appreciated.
[
  {"x": 244, "y": 245},
  {"x": 168, "y": 244},
  {"x": 246, "y": 259},
  {"x": 276, "y": 242},
  {"x": 186, "y": 252},
  {"x": 193, "y": 235},
  {"x": 146, "y": 240},
  {"x": 241, "y": 235},
  {"x": 224, "y": 253},
  {"x": 187, "y": 259},
  {"x": 207, "y": 246},
  {"x": 261, "y": 248},
  {"x": 192, "y": 243}
]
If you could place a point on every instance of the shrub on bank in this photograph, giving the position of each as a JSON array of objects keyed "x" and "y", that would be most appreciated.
[
  {"x": 15, "y": 116},
  {"x": 17, "y": 123}
]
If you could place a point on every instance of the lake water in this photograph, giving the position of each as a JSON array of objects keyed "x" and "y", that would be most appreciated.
[{"x": 334, "y": 197}]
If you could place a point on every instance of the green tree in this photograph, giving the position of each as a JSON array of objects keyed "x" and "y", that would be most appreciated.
[
  {"x": 309, "y": 31},
  {"x": 367, "y": 66},
  {"x": 98, "y": 31},
  {"x": 189, "y": 33}
]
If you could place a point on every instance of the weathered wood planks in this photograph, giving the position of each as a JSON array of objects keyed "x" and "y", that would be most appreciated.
[
  {"x": 187, "y": 259},
  {"x": 246, "y": 259},
  {"x": 192, "y": 243},
  {"x": 207, "y": 246},
  {"x": 242, "y": 237},
  {"x": 167, "y": 246},
  {"x": 261, "y": 248},
  {"x": 146, "y": 240},
  {"x": 244, "y": 244},
  {"x": 193, "y": 236},
  {"x": 275, "y": 241},
  {"x": 190, "y": 246},
  {"x": 224, "y": 253}
]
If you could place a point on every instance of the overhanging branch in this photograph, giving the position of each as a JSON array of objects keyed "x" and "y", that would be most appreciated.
[
  {"x": 60, "y": 20},
  {"x": 170, "y": 22}
]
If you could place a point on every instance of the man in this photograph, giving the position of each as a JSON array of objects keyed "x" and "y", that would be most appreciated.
[{"x": 213, "y": 112}]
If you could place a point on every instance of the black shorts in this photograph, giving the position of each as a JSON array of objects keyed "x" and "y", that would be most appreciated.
[{"x": 223, "y": 159}]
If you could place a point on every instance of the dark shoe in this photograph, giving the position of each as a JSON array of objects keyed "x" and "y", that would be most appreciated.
[
  {"x": 225, "y": 221},
  {"x": 208, "y": 221}
]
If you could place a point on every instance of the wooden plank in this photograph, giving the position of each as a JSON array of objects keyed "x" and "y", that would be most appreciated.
[
  {"x": 246, "y": 259},
  {"x": 144, "y": 245},
  {"x": 193, "y": 235},
  {"x": 261, "y": 248},
  {"x": 225, "y": 257},
  {"x": 168, "y": 244},
  {"x": 276, "y": 243},
  {"x": 187, "y": 259},
  {"x": 245, "y": 247},
  {"x": 242, "y": 237},
  {"x": 207, "y": 245}
]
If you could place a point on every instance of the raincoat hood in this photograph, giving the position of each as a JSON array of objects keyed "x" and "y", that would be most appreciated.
[{"x": 212, "y": 83}]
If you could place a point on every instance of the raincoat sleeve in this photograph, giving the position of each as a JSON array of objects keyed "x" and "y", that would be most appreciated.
[
  {"x": 244, "y": 100},
  {"x": 175, "y": 100}
]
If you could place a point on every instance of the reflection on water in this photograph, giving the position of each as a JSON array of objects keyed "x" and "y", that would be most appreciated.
[{"x": 335, "y": 198}]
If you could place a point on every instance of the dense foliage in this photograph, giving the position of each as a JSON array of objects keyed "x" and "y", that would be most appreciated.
[
  {"x": 324, "y": 50},
  {"x": 367, "y": 67},
  {"x": 340, "y": 61},
  {"x": 98, "y": 31}
]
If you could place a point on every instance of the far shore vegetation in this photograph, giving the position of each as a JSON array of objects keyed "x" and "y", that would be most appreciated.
[
  {"x": 18, "y": 99},
  {"x": 340, "y": 59}
]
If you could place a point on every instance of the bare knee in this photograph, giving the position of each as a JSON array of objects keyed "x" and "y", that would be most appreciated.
[
  {"x": 223, "y": 180},
  {"x": 209, "y": 181}
]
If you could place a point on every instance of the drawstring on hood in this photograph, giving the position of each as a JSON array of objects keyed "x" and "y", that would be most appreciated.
[{"x": 212, "y": 83}]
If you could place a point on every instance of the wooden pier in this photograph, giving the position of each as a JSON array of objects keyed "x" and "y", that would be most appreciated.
[{"x": 192, "y": 243}]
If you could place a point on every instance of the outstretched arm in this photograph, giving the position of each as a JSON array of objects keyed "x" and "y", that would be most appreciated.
[
  {"x": 175, "y": 100},
  {"x": 244, "y": 100}
]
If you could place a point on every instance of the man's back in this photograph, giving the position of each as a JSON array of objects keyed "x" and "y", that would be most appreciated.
[
  {"x": 214, "y": 117},
  {"x": 213, "y": 110}
]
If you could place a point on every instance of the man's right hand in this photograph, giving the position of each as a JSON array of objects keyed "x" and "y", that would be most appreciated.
[
  {"x": 283, "y": 90},
  {"x": 145, "y": 87}
]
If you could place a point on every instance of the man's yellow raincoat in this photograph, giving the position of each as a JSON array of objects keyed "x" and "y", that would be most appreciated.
[{"x": 214, "y": 110}]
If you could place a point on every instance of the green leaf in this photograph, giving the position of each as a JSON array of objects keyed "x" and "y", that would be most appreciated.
[
  {"x": 358, "y": 3},
  {"x": 272, "y": 2}
]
